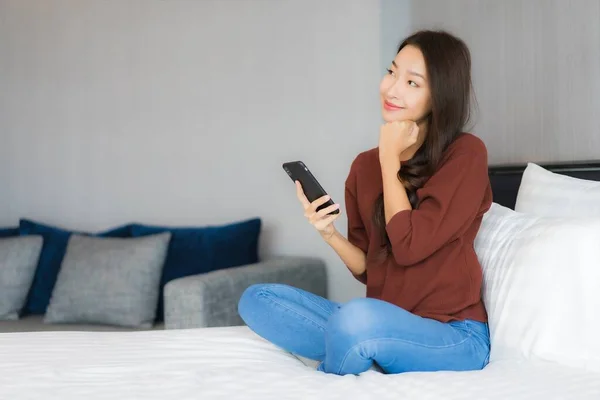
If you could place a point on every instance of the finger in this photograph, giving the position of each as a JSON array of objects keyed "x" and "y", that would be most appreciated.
[
  {"x": 326, "y": 221},
  {"x": 319, "y": 202},
  {"x": 317, "y": 216},
  {"x": 327, "y": 210},
  {"x": 415, "y": 130},
  {"x": 301, "y": 195},
  {"x": 323, "y": 220},
  {"x": 411, "y": 131}
]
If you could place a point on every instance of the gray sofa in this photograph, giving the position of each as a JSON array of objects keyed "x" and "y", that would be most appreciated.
[{"x": 208, "y": 300}]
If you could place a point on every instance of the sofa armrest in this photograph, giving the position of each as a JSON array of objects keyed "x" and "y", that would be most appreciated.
[{"x": 211, "y": 299}]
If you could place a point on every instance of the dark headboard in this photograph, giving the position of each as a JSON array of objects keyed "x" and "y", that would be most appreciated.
[{"x": 505, "y": 179}]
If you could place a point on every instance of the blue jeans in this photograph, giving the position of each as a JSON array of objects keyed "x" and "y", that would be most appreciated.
[{"x": 348, "y": 338}]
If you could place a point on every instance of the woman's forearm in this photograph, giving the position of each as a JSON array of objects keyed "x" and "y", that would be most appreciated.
[
  {"x": 394, "y": 193},
  {"x": 354, "y": 258}
]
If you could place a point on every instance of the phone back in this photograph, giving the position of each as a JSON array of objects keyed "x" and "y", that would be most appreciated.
[{"x": 313, "y": 190}]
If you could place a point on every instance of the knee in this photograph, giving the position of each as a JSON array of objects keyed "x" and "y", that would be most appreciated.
[
  {"x": 251, "y": 299},
  {"x": 354, "y": 318}
]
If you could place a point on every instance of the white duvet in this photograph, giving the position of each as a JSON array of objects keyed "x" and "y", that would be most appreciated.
[{"x": 234, "y": 363}]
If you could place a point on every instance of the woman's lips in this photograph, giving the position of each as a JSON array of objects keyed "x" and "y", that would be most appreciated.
[{"x": 391, "y": 107}]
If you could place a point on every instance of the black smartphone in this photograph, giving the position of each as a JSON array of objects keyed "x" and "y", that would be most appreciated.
[{"x": 313, "y": 190}]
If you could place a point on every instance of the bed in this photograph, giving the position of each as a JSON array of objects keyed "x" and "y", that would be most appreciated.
[
  {"x": 506, "y": 178},
  {"x": 234, "y": 363}
]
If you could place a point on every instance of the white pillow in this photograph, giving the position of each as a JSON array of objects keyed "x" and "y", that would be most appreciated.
[
  {"x": 541, "y": 287},
  {"x": 547, "y": 193}
]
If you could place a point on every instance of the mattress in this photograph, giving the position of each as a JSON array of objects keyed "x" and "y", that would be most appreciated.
[{"x": 234, "y": 363}]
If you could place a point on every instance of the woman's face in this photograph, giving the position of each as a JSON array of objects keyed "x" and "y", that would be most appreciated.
[{"x": 404, "y": 90}]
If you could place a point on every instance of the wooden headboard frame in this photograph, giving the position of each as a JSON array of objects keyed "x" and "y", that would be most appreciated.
[{"x": 506, "y": 178}]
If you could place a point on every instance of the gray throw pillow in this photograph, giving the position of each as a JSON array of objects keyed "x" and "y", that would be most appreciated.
[
  {"x": 19, "y": 257},
  {"x": 113, "y": 281}
]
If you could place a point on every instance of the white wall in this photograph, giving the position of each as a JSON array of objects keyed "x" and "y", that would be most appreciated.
[
  {"x": 536, "y": 71},
  {"x": 395, "y": 25},
  {"x": 182, "y": 112}
]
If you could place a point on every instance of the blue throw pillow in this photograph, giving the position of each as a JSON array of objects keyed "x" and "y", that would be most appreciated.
[
  {"x": 9, "y": 232},
  {"x": 53, "y": 251},
  {"x": 197, "y": 250}
]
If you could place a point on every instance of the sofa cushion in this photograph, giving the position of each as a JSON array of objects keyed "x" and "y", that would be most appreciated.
[
  {"x": 18, "y": 260},
  {"x": 112, "y": 281},
  {"x": 550, "y": 194},
  {"x": 53, "y": 251},
  {"x": 540, "y": 286},
  {"x": 9, "y": 232},
  {"x": 198, "y": 250}
]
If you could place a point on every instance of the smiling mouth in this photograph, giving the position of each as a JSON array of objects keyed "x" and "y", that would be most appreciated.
[{"x": 392, "y": 107}]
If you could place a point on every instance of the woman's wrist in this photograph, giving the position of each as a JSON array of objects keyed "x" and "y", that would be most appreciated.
[
  {"x": 327, "y": 237},
  {"x": 390, "y": 166}
]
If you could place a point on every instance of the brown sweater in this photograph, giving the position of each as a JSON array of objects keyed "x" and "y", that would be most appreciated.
[{"x": 433, "y": 270}]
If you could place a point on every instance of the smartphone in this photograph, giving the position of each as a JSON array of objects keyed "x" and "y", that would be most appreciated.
[{"x": 313, "y": 190}]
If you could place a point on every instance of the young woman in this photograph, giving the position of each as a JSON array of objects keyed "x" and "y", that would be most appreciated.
[{"x": 414, "y": 206}]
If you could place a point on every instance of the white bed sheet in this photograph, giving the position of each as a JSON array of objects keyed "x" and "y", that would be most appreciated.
[{"x": 234, "y": 363}]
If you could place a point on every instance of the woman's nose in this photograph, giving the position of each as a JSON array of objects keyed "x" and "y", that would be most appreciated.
[{"x": 394, "y": 91}]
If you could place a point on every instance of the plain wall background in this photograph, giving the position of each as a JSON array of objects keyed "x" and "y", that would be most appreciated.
[
  {"x": 536, "y": 71},
  {"x": 182, "y": 112}
]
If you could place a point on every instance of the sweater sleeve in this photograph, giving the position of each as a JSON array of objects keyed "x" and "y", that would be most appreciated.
[
  {"x": 449, "y": 203},
  {"x": 357, "y": 234}
]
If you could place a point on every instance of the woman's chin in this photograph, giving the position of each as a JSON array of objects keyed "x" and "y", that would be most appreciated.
[{"x": 390, "y": 116}]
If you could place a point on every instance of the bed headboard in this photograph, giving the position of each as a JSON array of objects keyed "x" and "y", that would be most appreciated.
[{"x": 505, "y": 179}]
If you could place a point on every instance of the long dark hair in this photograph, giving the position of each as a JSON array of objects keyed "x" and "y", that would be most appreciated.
[{"x": 448, "y": 63}]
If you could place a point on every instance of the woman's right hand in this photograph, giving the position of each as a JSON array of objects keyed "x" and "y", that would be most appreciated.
[{"x": 322, "y": 222}]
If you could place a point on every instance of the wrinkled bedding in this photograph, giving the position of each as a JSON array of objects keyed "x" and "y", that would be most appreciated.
[{"x": 232, "y": 363}]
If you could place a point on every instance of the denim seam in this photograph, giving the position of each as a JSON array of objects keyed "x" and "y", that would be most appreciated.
[
  {"x": 269, "y": 298},
  {"x": 311, "y": 300},
  {"x": 399, "y": 340}
]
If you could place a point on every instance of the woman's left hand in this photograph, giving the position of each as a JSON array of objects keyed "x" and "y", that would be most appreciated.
[{"x": 394, "y": 138}]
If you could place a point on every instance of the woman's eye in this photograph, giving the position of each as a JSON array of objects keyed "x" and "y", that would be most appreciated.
[
  {"x": 391, "y": 72},
  {"x": 413, "y": 83}
]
